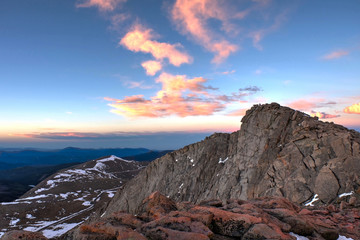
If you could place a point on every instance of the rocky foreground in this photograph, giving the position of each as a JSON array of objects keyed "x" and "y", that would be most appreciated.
[{"x": 159, "y": 217}]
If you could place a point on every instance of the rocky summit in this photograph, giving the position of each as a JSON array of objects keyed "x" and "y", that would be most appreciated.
[{"x": 277, "y": 152}]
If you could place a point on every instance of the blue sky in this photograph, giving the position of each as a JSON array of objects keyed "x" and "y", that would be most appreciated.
[{"x": 78, "y": 73}]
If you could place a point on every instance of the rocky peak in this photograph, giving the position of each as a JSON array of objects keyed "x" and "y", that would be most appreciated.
[{"x": 277, "y": 152}]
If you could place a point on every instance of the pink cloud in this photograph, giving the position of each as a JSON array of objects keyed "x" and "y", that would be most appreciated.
[
  {"x": 140, "y": 40},
  {"x": 322, "y": 115},
  {"x": 134, "y": 84},
  {"x": 192, "y": 16},
  {"x": 55, "y": 135},
  {"x": 118, "y": 20},
  {"x": 132, "y": 99},
  {"x": 103, "y": 5},
  {"x": 181, "y": 96},
  {"x": 239, "y": 112},
  {"x": 151, "y": 67},
  {"x": 311, "y": 103},
  {"x": 335, "y": 55},
  {"x": 303, "y": 105},
  {"x": 354, "y": 109},
  {"x": 228, "y": 72}
]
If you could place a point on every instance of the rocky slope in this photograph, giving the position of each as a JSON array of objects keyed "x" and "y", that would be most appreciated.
[
  {"x": 275, "y": 218},
  {"x": 67, "y": 198},
  {"x": 277, "y": 152}
]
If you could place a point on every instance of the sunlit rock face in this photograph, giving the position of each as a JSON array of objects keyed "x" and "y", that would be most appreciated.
[{"x": 277, "y": 152}]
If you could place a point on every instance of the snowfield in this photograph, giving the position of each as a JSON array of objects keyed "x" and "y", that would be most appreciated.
[{"x": 69, "y": 204}]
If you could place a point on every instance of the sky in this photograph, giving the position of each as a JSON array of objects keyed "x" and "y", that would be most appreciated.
[{"x": 166, "y": 73}]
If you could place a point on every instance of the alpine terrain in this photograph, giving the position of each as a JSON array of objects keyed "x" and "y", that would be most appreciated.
[
  {"x": 65, "y": 199},
  {"x": 283, "y": 175}
]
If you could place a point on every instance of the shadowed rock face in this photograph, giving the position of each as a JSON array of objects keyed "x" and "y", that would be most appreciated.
[
  {"x": 263, "y": 218},
  {"x": 277, "y": 152}
]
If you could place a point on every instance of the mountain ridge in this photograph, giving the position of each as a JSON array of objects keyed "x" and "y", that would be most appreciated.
[
  {"x": 277, "y": 152},
  {"x": 67, "y": 197},
  {"x": 282, "y": 163}
]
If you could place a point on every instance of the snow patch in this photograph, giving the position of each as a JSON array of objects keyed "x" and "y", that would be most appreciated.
[
  {"x": 111, "y": 194},
  {"x": 86, "y": 203},
  {"x": 13, "y": 222},
  {"x": 315, "y": 198},
  {"x": 73, "y": 175},
  {"x": 39, "y": 225},
  {"x": 1, "y": 234},
  {"x": 344, "y": 238},
  {"x": 77, "y": 171},
  {"x": 59, "y": 229},
  {"x": 346, "y": 194},
  {"x": 29, "y": 216},
  {"x": 35, "y": 197},
  {"x": 12, "y": 203},
  {"x": 223, "y": 161},
  {"x": 113, "y": 158},
  {"x": 298, "y": 237}
]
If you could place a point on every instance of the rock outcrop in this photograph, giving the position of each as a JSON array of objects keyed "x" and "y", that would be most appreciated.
[
  {"x": 277, "y": 152},
  {"x": 273, "y": 218}
]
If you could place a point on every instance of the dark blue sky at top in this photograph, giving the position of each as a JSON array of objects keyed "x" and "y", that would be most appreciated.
[{"x": 58, "y": 62}]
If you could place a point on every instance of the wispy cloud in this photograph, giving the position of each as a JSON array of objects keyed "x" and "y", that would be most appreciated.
[
  {"x": 236, "y": 113},
  {"x": 140, "y": 39},
  {"x": 250, "y": 89},
  {"x": 258, "y": 35},
  {"x": 335, "y": 54},
  {"x": 151, "y": 67},
  {"x": 169, "y": 139},
  {"x": 228, "y": 72},
  {"x": 103, "y": 5},
  {"x": 181, "y": 96},
  {"x": 118, "y": 20},
  {"x": 135, "y": 84},
  {"x": 192, "y": 16},
  {"x": 258, "y": 71},
  {"x": 354, "y": 109},
  {"x": 58, "y": 135},
  {"x": 323, "y": 115},
  {"x": 310, "y": 104}
]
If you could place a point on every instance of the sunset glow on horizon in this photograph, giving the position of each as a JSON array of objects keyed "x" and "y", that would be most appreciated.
[{"x": 132, "y": 73}]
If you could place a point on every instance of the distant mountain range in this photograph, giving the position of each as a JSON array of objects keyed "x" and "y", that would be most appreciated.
[
  {"x": 11, "y": 158},
  {"x": 22, "y": 169},
  {"x": 66, "y": 198}
]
